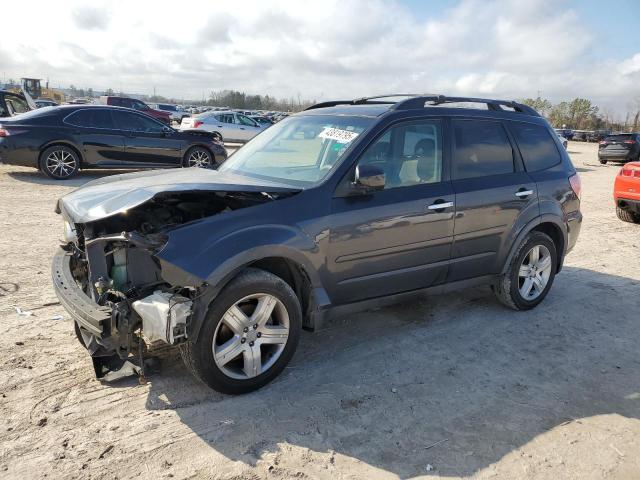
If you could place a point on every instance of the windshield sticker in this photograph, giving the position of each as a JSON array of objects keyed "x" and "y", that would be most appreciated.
[{"x": 340, "y": 136}]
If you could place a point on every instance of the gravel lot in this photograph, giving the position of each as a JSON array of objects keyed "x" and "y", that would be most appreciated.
[{"x": 448, "y": 386}]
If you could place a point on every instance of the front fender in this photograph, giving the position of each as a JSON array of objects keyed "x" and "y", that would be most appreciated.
[{"x": 214, "y": 265}]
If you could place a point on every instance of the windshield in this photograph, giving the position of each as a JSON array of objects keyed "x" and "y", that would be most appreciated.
[{"x": 299, "y": 150}]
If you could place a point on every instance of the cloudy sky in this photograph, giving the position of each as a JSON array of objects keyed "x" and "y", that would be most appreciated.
[{"x": 328, "y": 49}]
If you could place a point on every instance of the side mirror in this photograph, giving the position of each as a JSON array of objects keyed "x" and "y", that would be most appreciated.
[
  {"x": 369, "y": 178},
  {"x": 166, "y": 131}
]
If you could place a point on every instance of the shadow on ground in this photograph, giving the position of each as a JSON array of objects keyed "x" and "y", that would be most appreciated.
[
  {"x": 389, "y": 383},
  {"x": 80, "y": 179}
]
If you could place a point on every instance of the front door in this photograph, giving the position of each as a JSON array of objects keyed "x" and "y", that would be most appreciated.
[
  {"x": 397, "y": 239},
  {"x": 147, "y": 141},
  {"x": 247, "y": 128},
  {"x": 493, "y": 194}
]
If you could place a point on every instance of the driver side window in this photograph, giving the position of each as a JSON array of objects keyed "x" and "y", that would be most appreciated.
[
  {"x": 246, "y": 121},
  {"x": 408, "y": 154},
  {"x": 136, "y": 123}
]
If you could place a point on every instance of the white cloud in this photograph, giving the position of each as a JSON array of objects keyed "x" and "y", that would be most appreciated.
[
  {"x": 332, "y": 49},
  {"x": 90, "y": 18}
]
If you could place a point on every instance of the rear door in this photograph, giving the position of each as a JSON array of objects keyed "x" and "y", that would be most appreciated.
[
  {"x": 147, "y": 141},
  {"x": 102, "y": 144},
  {"x": 493, "y": 195},
  {"x": 397, "y": 239},
  {"x": 224, "y": 123}
]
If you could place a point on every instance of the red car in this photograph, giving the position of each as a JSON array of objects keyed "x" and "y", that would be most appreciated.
[
  {"x": 626, "y": 193},
  {"x": 164, "y": 117}
]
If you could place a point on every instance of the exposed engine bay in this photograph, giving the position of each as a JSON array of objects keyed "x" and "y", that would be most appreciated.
[{"x": 112, "y": 262}]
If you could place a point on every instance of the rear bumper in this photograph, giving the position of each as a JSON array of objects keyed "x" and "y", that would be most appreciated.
[
  {"x": 89, "y": 315},
  {"x": 628, "y": 204},
  {"x": 22, "y": 157},
  {"x": 620, "y": 156},
  {"x": 574, "y": 224}
]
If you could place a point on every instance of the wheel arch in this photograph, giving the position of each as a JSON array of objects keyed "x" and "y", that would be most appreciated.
[
  {"x": 552, "y": 226},
  {"x": 64, "y": 143},
  {"x": 198, "y": 145}
]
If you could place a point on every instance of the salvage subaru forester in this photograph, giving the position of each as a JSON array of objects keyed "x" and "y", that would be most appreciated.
[{"x": 347, "y": 205}]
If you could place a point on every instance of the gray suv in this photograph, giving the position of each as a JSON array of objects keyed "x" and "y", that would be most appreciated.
[{"x": 347, "y": 205}]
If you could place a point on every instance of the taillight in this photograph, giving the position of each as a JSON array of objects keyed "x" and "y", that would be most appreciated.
[
  {"x": 196, "y": 123},
  {"x": 576, "y": 184},
  {"x": 602, "y": 142},
  {"x": 4, "y": 132},
  {"x": 630, "y": 171},
  {"x": 630, "y": 142}
]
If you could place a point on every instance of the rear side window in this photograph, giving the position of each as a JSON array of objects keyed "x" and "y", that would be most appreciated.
[
  {"x": 225, "y": 118},
  {"x": 482, "y": 148},
  {"x": 92, "y": 118},
  {"x": 537, "y": 147}
]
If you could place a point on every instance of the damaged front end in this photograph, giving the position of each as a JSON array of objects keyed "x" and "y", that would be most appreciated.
[{"x": 108, "y": 278}]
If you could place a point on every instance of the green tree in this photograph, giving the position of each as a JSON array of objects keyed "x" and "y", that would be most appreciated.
[
  {"x": 559, "y": 115},
  {"x": 580, "y": 110},
  {"x": 541, "y": 105}
]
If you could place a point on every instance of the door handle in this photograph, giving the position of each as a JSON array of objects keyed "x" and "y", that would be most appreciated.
[
  {"x": 523, "y": 193},
  {"x": 440, "y": 205}
]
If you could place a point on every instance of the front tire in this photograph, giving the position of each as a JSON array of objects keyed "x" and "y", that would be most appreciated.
[
  {"x": 198, "y": 157},
  {"x": 627, "y": 216},
  {"x": 530, "y": 273},
  {"x": 250, "y": 333},
  {"x": 59, "y": 162}
]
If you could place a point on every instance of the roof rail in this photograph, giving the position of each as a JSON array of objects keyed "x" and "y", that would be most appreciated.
[
  {"x": 416, "y": 101},
  {"x": 377, "y": 100},
  {"x": 492, "y": 104}
]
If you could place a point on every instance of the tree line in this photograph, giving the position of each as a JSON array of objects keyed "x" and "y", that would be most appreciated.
[
  {"x": 582, "y": 114},
  {"x": 242, "y": 100}
]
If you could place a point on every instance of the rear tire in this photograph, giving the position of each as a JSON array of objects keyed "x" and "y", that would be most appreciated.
[
  {"x": 525, "y": 272},
  {"x": 627, "y": 216},
  {"x": 59, "y": 162},
  {"x": 603, "y": 162},
  {"x": 246, "y": 357}
]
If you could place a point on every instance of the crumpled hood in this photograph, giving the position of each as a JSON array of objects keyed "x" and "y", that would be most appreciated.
[{"x": 114, "y": 194}]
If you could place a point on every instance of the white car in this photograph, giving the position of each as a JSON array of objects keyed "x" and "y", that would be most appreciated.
[{"x": 226, "y": 126}]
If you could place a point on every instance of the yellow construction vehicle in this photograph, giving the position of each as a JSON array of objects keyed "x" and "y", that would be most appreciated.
[{"x": 34, "y": 88}]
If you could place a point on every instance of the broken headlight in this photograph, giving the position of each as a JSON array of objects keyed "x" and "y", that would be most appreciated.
[{"x": 70, "y": 233}]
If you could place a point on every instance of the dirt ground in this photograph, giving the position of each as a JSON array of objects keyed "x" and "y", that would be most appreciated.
[{"x": 445, "y": 387}]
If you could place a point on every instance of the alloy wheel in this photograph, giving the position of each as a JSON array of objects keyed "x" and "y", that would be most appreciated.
[
  {"x": 251, "y": 336},
  {"x": 60, "y": 163},
  {"x": 199, "y": 158},
  {"x": 534, "y": 272}
]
